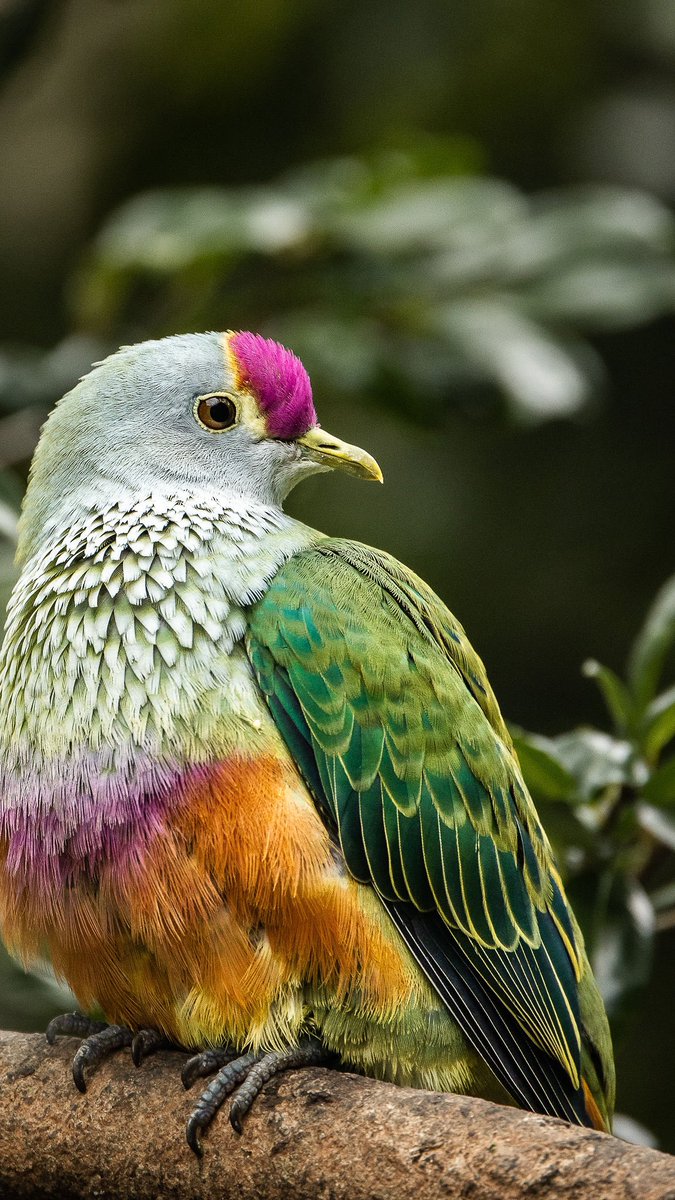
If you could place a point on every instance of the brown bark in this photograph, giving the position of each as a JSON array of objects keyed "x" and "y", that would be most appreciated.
[{"x": 312, "y": 1135}]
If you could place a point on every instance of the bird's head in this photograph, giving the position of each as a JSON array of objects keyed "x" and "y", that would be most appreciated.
[{"x": 230, "y": 412}]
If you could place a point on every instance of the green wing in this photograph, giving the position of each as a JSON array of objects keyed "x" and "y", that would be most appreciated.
[{"x": 390, "y": 718}]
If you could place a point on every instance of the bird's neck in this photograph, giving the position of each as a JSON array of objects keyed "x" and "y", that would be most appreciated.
[{"x": 123, "y": 630}]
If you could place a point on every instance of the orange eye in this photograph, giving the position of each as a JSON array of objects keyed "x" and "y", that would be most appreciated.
[{"x": 216, "y": 412}]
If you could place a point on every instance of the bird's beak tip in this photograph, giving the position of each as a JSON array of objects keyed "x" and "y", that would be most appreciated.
[{"x": 331, "y": 452}]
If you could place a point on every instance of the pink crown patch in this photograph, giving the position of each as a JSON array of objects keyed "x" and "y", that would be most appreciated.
[{"x": 278, "y": 381}]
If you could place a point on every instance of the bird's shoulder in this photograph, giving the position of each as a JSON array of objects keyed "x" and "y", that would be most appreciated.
[
  {"x": 357, "y": 654},
  {"x": 346, "y": 589}
]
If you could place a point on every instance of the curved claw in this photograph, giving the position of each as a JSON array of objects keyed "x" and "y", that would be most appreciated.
[
  {"x": 72, "y": 1024},
  {"x": 147, "y": 1042},
  {"x": 205, "y": 1063},
  {"x": 80, "y": 1061},
  {"x": 95, "y": 1048},
  {"x": 247, "y": 1074},
  {"x": 211, "y": 1099},
  {"x": 192, "y": 1131},
  {"x": 307, "y": 1055},
  {"x": 235, "y": 1116}
]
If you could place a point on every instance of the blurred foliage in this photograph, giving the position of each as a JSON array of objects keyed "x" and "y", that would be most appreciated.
[
  {"x": 607, "y": 800},
  {"x": 407, "y": 278},
  {"x": 28, "y": 1000},
  {"x": 399, "y": 272}
]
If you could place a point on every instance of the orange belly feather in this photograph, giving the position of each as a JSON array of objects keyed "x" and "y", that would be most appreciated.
[{"x": 239, "y": 903}]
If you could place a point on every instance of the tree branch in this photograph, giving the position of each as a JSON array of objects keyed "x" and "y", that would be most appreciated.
[{"x": 312, "y": 1134}]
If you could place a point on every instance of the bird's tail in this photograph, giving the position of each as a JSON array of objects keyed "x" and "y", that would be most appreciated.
[{"x": 595, "y": 1116}]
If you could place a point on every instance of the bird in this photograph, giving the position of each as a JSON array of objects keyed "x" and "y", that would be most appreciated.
[{"x": 257, "y": 798}]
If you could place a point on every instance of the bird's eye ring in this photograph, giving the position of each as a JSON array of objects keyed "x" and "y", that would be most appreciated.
[{"x": 215, "y": 412}]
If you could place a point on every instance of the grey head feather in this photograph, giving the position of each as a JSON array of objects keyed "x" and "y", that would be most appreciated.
[{"x": 129, "y": 427}]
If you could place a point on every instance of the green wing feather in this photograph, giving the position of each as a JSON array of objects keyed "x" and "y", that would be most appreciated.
[{"x": 390, "y": 717}]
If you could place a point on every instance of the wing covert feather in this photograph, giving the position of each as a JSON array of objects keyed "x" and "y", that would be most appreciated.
[{"x": 389, "y": 716}]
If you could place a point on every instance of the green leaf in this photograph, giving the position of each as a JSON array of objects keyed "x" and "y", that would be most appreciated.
[
  {"x": 659, "y": 724},
  {"x": 9, "y": 522},
  {"x": 492, "y": 271},
  {"x": 609, "y": 293},
  {"x": 596, "y": 760},
  {"x": 470, "y": 215},
  {"x": 629, "y": 1130},
  {"x": 660, "y": 824},
  {"x": 540, "y": 376},
  {"x": 622, "y": 941},
  {"x": 574, "y": 842},
  {"x": 169, "y": 230},
  {"x": 652, "y": 645},
  {"x": 616, "y": 695},
  {"x": 663, "y": 898},
  {"x": 582, "y": 222},
  {"x": 660, "y": 788},
  {"x": 544, "y": 771}
]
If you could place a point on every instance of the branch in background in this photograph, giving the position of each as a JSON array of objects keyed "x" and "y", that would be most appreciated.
[{"x": 311, "y": 1133}]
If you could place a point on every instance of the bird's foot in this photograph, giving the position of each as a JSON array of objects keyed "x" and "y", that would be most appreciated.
[
  {"x": 147, "y": 1042},
  {"x": 72, "y": 1024},
  {"x": 206, "y": 1063},
  {"x": 101, "y": 1040},
  {"x": 245, "y": 1075}
]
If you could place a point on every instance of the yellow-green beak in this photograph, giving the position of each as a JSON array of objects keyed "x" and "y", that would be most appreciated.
[{"x": 340, "y": 456}]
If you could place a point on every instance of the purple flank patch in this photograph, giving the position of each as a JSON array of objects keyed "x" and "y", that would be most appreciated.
[
  {"x": 74, "y": 817},
  {"x": 278, "y": 381}
]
